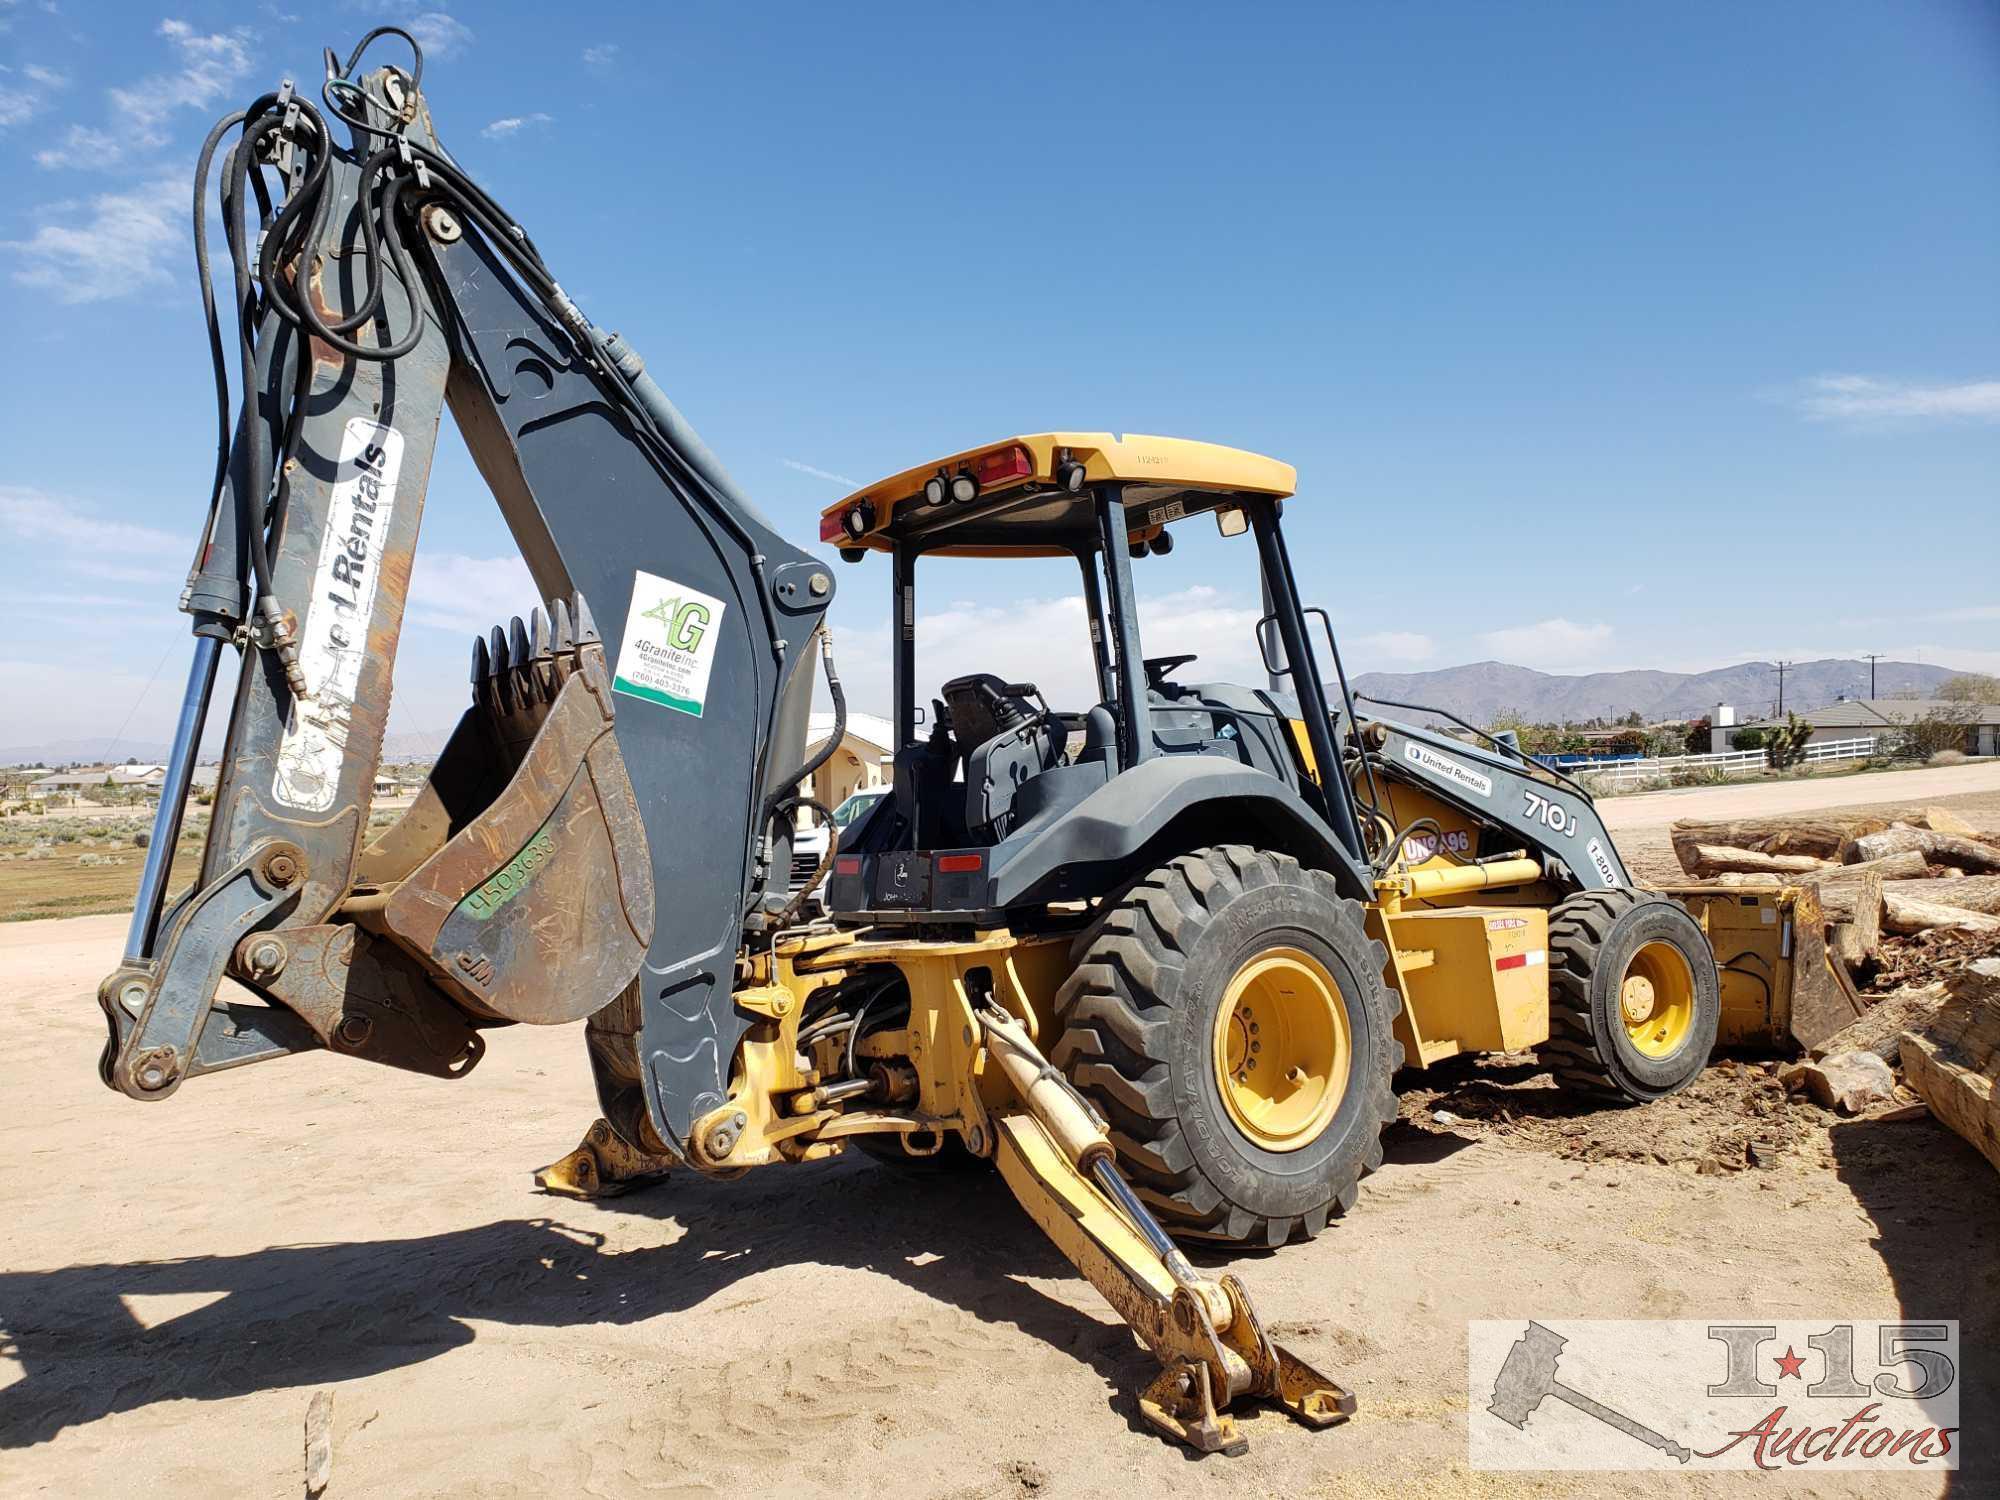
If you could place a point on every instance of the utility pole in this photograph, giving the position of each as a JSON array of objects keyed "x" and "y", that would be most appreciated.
[
  {"x": 1781, "y": 687},
  {"x": 1873, "y": 657}
]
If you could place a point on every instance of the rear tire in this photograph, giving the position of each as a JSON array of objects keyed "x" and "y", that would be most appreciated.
[
  {"x": 1634, "y": 998},
  {"x": 1186, "y": 969}
]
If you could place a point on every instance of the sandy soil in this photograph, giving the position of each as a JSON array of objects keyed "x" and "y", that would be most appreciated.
[{"x": 176, "y": 1281}]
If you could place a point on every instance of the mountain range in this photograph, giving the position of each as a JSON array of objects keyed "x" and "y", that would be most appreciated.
[
  {"x": 1477, "y": 692},
  {"x": 1481, "y": 691}
]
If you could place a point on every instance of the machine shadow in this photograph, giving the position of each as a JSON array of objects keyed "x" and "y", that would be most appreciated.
[
  {"x": 1937, "y": 1229},
  {"x": 293, "y": 1315}
]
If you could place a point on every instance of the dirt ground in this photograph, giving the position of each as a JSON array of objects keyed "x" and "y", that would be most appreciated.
[{"x": 177, "y": 1280}]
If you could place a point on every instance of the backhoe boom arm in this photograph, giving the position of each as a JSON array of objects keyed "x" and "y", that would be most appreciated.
[{"x": 602, "y": 817}]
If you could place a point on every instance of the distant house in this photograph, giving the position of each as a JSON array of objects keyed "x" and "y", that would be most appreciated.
[
  {"x": 860, "y": 761},
  {"x": 147, "y": 777},
  {"x": 67, "y": 786},
  {"x": 1857, "y": 718}
]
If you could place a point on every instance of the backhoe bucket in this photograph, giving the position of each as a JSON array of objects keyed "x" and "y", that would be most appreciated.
[{"x": 539, "y": 908}]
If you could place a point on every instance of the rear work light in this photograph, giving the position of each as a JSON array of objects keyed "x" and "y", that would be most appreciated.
[
  {"x": 1002, "y": 465},
  {"x": 858, "y": 520}
]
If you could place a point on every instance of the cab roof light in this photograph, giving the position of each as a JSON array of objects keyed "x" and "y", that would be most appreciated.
[
  {"x": 855, "y": 522},
  {"x": 964, "y": 488}
]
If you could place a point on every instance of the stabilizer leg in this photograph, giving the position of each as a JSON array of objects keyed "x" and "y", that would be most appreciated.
[{"x": 1053, "y": 1153}]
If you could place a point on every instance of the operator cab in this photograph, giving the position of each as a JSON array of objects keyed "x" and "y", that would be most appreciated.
[{"x": 992, "y": 765}]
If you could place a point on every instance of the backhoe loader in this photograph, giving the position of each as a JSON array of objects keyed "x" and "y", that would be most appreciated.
[{"x": 1157, "y": 957}]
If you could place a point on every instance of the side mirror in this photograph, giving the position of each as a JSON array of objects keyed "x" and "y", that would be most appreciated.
[{"x": 1232, "y": 520}]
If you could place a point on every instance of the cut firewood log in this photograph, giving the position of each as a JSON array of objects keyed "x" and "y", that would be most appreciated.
[
  {"x": 1953, "y": 1059},
  {"x": 1880, "y": 1031},
  {"x": 1980, "y": 893},
  {"x": 1943, "y": 820},
  {"x": 1823, "y": 835},
  {"x": 1937, "y": 848},
  {"x": 1839, "y": 887},
  {"x": 1902, "y": 913},
  {"x": 1846, "y": 946},
  {"x": 1866, "y": 917},
  {"x": 1725, "y": 859}
]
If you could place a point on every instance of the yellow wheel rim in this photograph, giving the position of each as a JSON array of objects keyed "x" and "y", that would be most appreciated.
[
  {"x": 1283, "y": 1049},
  {"x": 1656, "y": 1000}
]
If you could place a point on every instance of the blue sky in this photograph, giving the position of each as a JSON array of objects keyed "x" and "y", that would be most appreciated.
[{"x": 1602, "y": 337}]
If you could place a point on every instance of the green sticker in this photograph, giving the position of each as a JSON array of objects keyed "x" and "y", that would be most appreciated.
[
  {"x": 668, "y": 650},
  {"x": 483, "y": 903}
]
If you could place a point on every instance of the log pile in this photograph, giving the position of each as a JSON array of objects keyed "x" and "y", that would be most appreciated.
[
  {"x": 1911, "y": 872},
  {"x": 1952, "y": 1058},
  {"x": 1911, "y": 903}
]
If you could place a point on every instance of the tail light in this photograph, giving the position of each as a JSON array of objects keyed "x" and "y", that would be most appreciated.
[{"x": 1001, "y": 465}]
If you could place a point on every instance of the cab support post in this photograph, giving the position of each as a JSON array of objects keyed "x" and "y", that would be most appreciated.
[{"x": 1284, "y": 596}]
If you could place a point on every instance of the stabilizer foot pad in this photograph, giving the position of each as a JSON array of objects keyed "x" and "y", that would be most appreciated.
[{"x": 603, "y": 1166}]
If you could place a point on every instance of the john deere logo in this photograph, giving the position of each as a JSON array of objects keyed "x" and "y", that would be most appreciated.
[{"x": 669, "y": 646}]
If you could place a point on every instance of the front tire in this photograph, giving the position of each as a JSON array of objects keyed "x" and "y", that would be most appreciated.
[
  {"x": 1634, "y": 997},
  {"x": 1229, "y": 1018}
]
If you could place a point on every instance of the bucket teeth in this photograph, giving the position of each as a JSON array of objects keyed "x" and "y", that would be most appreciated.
[
  {"x": 482, "y": 664},
  {"x": 517, "y": 643},
  {"x": 565, "y": 636},
  {"x": 499, "y": 659},
  {"x": 586, "y": 627},
  {"x": 538, "y": 635}
]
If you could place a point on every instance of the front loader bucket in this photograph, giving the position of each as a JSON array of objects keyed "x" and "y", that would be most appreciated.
[{"x": 540, "y": 908}]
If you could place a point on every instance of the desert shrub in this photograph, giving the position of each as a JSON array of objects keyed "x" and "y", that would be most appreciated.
[
  {"x": 1946, "y": 758},
  {"x": 1943, "y": 728},
  {"x": 1748, "y": 739}
]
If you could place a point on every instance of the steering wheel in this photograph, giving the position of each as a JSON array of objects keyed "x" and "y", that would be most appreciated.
[{"x": 1158, "y": 668}]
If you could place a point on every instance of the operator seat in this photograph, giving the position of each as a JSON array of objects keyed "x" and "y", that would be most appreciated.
[{"x": 1007, "y": 741}]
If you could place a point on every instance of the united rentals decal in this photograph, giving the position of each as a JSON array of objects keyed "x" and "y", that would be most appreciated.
[
  {"x": 671, "y": 632},
  {"x": 333, "y": 640},
  {"x": 1443, "y": 765}
]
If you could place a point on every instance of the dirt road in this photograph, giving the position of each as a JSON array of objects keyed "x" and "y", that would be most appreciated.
[
  {"x": 1639, "y": 823},
  {"x": 177, "y": 1280},
  {"x": 1776, "y": 798}
]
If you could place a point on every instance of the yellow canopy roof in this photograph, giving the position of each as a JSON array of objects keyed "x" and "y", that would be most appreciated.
[{"x": 1156, "y": 472}]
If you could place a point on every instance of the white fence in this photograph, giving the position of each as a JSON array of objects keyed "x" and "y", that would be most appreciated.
[{"x": 1623, "y": 774}]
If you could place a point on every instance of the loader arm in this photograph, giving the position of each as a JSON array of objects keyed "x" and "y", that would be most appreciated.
[{"x": 599, "y": 818}]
